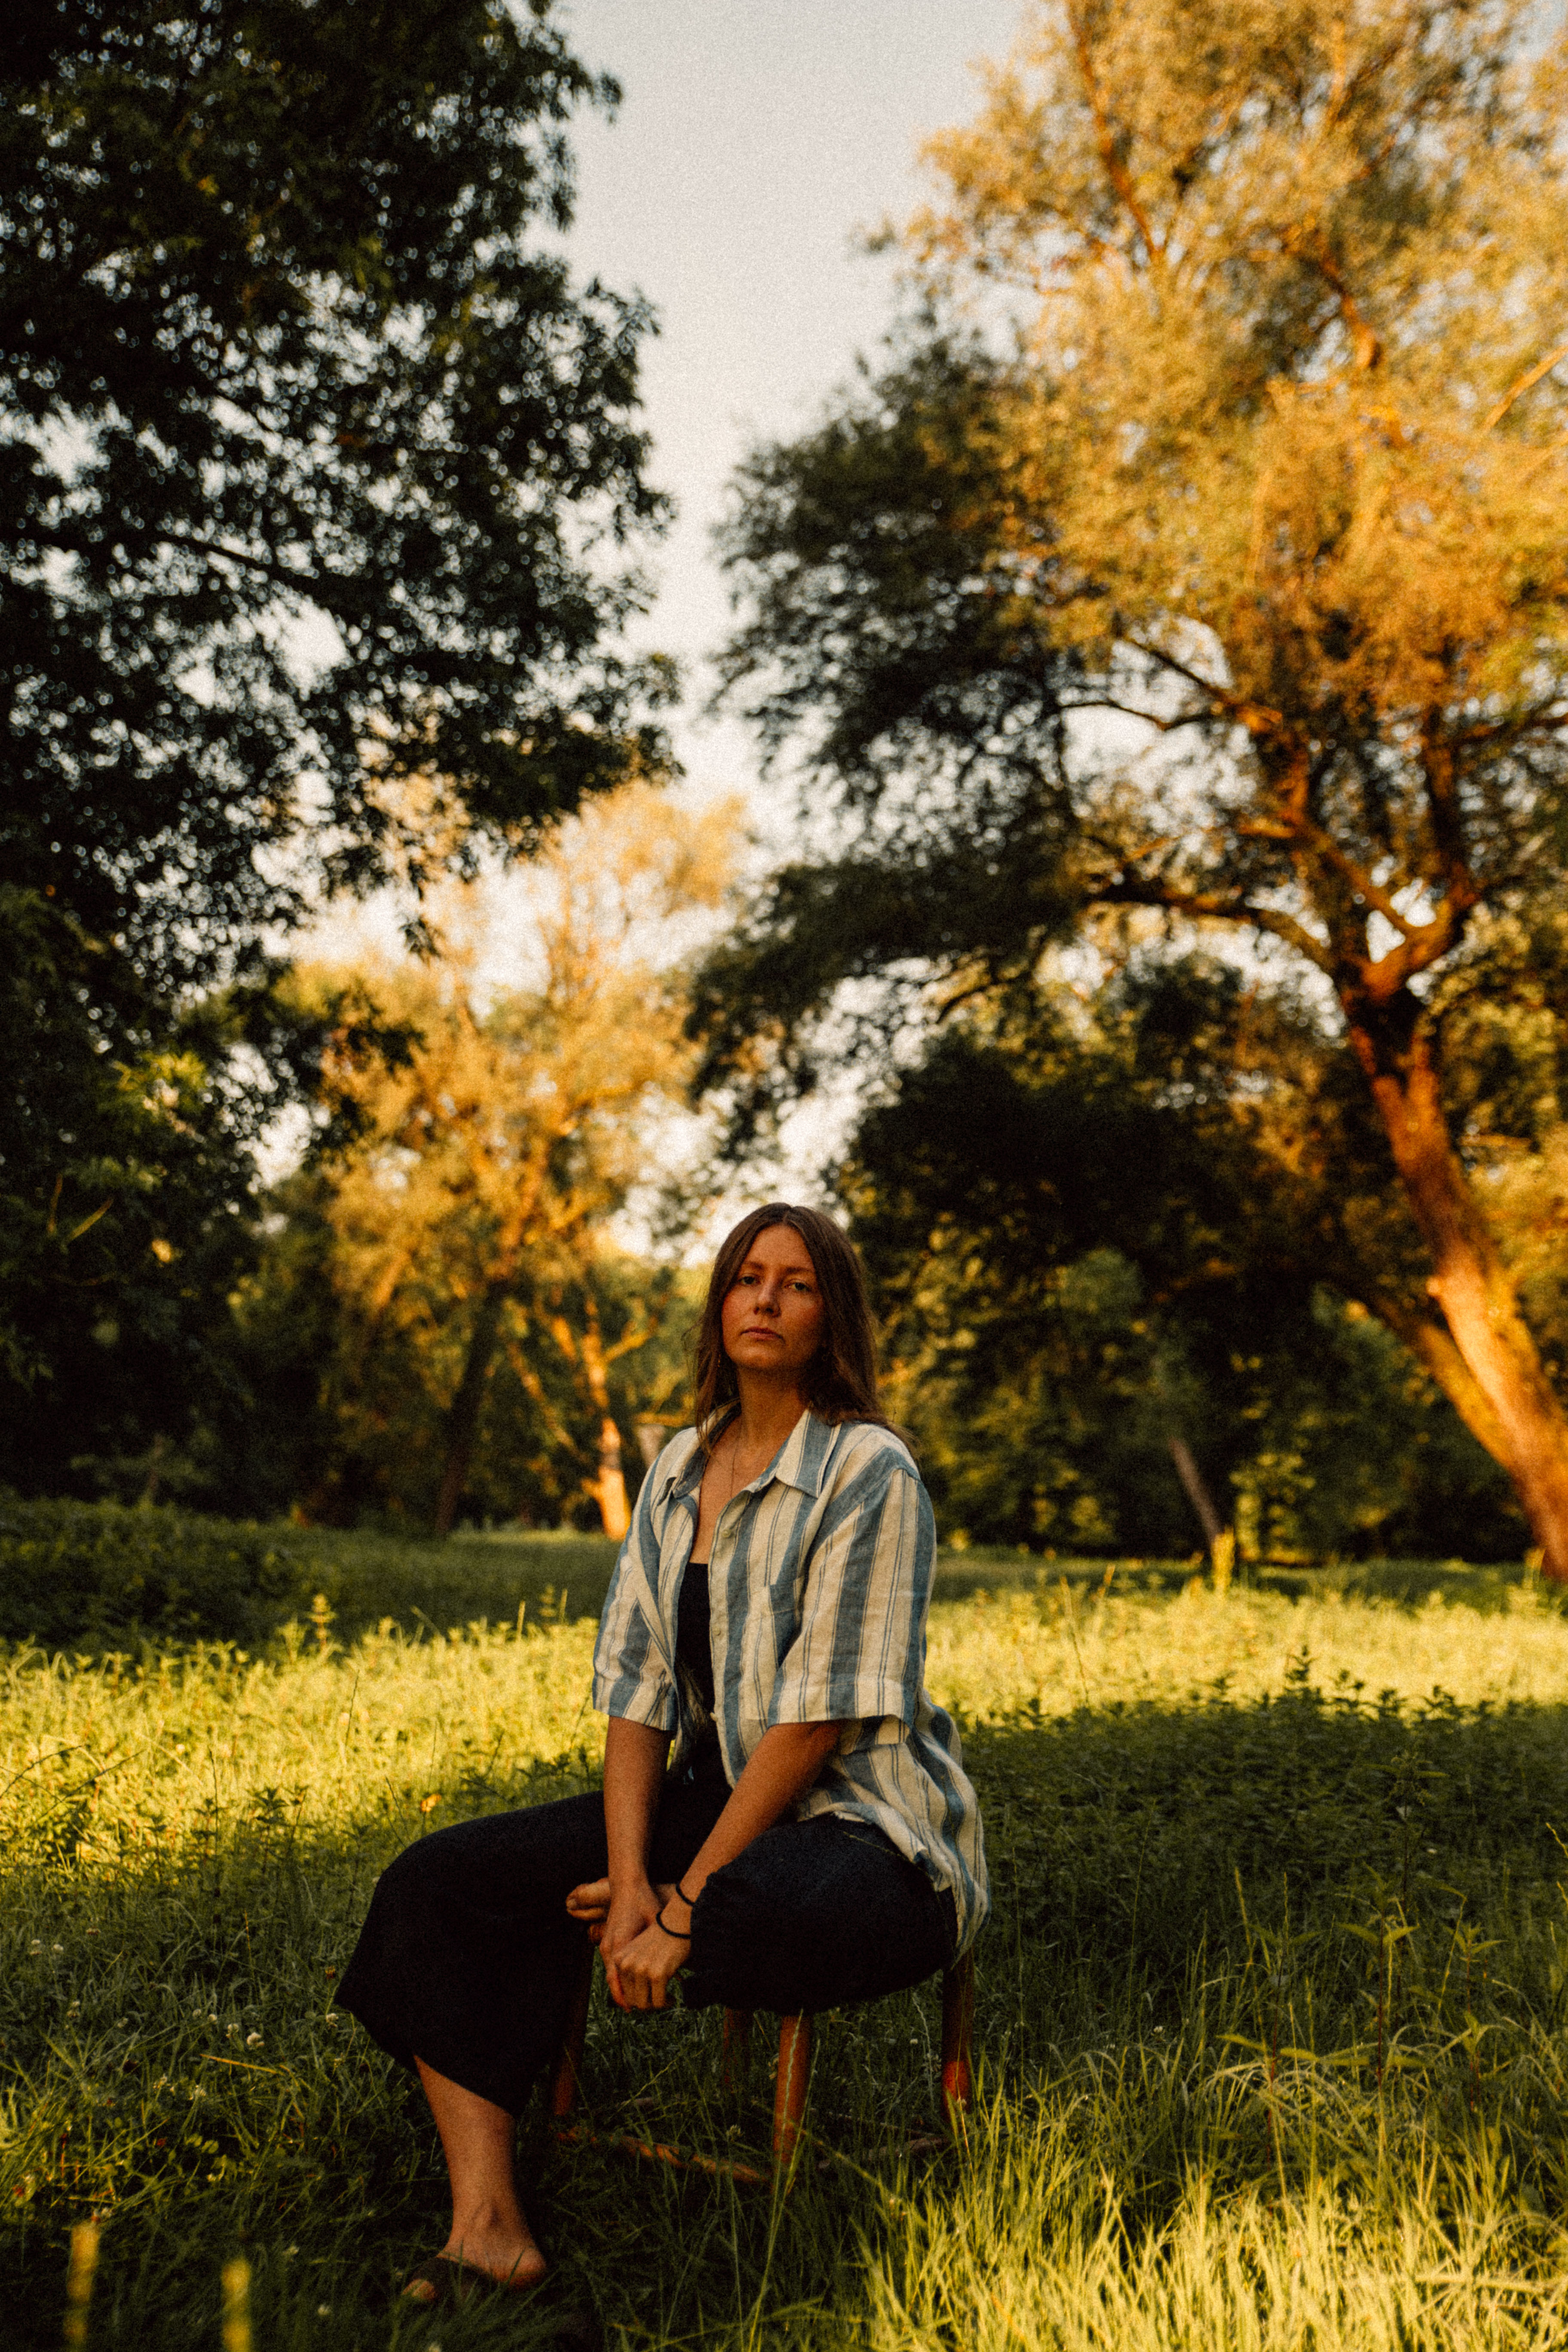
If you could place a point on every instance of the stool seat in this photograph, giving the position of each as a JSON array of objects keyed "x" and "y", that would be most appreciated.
[{"x": 790, "y": 2085}]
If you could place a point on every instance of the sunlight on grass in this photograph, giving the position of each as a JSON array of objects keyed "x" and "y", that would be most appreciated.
[
  {"x": 1270, "y": 2021},
  {"x": 1063, "y": 1648}
]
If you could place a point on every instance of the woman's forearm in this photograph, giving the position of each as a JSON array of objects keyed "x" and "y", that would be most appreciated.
[
  {"x": 784, "y": 1762},
  {"x": 634, "y": 1775},
  {"x": 643, "y": 1949}
]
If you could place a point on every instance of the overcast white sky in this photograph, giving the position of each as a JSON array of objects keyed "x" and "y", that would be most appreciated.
[{"x": 756, "y": 138}]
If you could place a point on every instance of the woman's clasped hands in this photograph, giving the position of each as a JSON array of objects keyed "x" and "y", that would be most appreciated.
[{"x": 641, "y": 1957}]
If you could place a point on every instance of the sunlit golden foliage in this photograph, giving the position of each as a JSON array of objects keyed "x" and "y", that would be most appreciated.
[
  {"x": 499, "y": 1122},
  {"x": 1293, "y": 281}
]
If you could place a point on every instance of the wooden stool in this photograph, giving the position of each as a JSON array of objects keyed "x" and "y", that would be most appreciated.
[{"x": 789, "y": 2090}]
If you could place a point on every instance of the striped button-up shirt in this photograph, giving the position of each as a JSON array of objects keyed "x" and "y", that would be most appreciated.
[{"x": 819, "y": 1582}]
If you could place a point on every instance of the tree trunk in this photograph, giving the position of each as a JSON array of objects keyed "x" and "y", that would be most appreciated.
[
  {"x": 1197, "y": 1492},
  {"x": 1429, "y": 1340},
  {"x": 1529, "y": 1428},
  {"x": 155, "y": 1469},
  {"x": 609, "y": 1486},
  {"x": 463, "y": 1419}
]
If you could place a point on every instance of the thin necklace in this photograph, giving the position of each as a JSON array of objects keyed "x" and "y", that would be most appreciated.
[
  {"x": 734, "y": 1464},
  {"x": 734, "y": 1468}
]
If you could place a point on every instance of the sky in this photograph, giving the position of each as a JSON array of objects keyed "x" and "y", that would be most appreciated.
[{"x": 756, "y": 141}]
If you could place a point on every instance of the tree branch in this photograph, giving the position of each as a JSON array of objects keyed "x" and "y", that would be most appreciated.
[
  {"x": 1309, "y": 244},
  {"x": 1115, "y": 171},
  {"x": 1548, "y": 717},
  {"x": 1214, "y": 906},
  {"x": 533, "y": 1388},
  {"x": 1527, "y": 382},
  {"x": 1131, "y": 711},
  {"x": 1256, "y": 717}
]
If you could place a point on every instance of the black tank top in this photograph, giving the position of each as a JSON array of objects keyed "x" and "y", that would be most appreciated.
[{"x": 693, "y": 1646}]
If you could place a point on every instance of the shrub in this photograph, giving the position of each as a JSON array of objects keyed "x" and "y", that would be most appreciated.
[{"x": 91, "y": 1575}]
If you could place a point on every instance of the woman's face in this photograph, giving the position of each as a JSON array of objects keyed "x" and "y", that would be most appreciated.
[{"x": 773, "y": 1315}]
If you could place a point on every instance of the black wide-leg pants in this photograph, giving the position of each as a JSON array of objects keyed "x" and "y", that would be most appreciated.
[{"x": 467, "y": 1957}]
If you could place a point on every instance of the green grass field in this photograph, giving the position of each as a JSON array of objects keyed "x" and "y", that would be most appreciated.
[{"x": 1271, "y": 2014}]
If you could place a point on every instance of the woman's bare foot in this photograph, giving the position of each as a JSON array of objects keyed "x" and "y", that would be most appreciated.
[
  {"x": 489, "y": 2235},
  {"x": 490, "y": 2245},
  {"x": 500, "y": 2245}
]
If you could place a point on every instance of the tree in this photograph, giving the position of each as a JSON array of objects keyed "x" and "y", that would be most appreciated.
[
  {"x": 496, "y": 1136},
  {"x": 128, "y": 1202},
  {"x": 301, "y": 439},
  {"x": 1272, "y": 480},
  {"x": 1121, "y": 1240},
  {"x": 314, "y": 469},
  {"x": 122, "y": 1225}
]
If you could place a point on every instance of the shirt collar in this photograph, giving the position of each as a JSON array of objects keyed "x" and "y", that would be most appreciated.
[{"x": 800, "y": 1462}]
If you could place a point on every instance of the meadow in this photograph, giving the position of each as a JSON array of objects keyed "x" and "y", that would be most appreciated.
[{"x": 1270, "y": 2017}]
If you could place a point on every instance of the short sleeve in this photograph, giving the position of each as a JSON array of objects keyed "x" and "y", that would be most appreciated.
[
  {"x": 632, "y": 1677},
  {"x": 860, "y": 1652}
]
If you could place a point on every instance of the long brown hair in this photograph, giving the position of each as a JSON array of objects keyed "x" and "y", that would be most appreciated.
[{"x": 840, "y": 1380}]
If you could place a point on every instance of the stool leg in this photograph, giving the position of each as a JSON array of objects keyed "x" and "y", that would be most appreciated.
[
  {"x": 957, "y": 2040},
  {"x": 789, "y": 2094},
  {"x": 563, "y": 2090},
  {"x": 737, "y": 2039}
]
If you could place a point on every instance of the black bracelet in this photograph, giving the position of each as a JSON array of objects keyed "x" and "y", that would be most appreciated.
[
  {"x": 673, "y": 1933},
  {"x": 684, "y": 1896}
]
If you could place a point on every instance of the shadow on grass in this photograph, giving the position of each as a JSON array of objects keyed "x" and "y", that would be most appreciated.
[
  {"x": 97, "y": 1577},
  {"x": 1228, "y": 1940},
  {"x": 552, "y": 1579}
]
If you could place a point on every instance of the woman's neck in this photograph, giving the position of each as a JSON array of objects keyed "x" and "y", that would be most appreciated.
[{"x": 768, "y": 1411}]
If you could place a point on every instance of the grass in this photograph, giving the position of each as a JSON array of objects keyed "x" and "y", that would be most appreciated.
[{"x": 1271, "y": 2007}]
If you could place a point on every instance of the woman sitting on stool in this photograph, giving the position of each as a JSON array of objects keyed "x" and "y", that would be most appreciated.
[{"x": 813, "y": 1840}]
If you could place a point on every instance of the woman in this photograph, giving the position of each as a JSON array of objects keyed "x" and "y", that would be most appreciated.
[{"x": 812, "y": 1841}]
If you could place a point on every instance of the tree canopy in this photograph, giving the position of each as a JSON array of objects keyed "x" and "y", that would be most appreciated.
[
  {"x": 318, "y": 481},
  {"x": 304, "y": 434},
  {"x": 1124, "y": 1241},
  {"x": 1226, "y": 589},
  {"x": 457, "y": 1241}
]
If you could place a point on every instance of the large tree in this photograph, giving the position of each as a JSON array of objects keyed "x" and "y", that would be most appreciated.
[
  {"x": 1270, "y": 476},
  {"x": 303, "y": 428},
  {"x": 1132, "y": 1240},
  {"x": 315, "y": 469},
  {"x": 495, "y": 1134}
]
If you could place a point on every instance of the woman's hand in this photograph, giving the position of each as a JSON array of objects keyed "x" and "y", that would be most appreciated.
[
  {"x": 639, "y": 1972},
  {"x": 622, "y": 1923},
  {"x": 590, "y": 1903}
]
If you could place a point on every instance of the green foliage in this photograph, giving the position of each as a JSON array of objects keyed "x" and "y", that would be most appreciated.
[
  {"x": 1100, "y": 1222},
  {"x": 94, "y": 1577},
  {"x": 127, "y": 1205},
  {"x": 278, "y": 349},
  {"x": 89, "y": 1576},
  {"x": 539, "y": 1443},
  {"x": 885, "y": 642},
  {"x": 355, "y": 1433},
  {"x": 314, "y": 469},
  {"x": 1269, "y": 2012}
]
